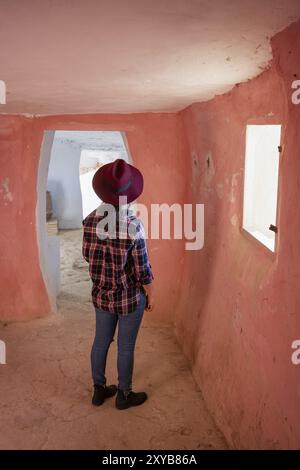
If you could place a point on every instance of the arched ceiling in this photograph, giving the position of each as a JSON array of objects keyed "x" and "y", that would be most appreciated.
[{"x": 122, "y": 56}]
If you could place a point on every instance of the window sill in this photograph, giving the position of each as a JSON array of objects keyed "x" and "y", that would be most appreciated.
[{"x": 259, "y": 244}]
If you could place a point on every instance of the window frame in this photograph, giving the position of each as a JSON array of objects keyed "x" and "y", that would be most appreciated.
[{"x": 246, "y": 234}]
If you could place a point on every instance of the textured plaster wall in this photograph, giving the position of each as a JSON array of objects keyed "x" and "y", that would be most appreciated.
[
  {"x": 64, "y": 184},
  {"x": 240, "y": 306},
  {"x": 132, "y": 55},
  {"x": 48, "y": 245},
  {"x": 157, "y": 146},
  {"x": 22, "y": 290},
  {"x": 236, "y": 305}
]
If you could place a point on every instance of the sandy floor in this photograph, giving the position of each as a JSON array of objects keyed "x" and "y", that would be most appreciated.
[{"x": 45, "y": 387}]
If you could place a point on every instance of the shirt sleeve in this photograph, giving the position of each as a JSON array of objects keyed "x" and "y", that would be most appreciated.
[
  {"x": 85, "y": 246},
  {"x": 140, "y": 256}
]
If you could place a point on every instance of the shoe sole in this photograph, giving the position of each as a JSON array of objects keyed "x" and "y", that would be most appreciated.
[
  {"x": 97, "y": 404},
  {"x": 126, "y": 406}
]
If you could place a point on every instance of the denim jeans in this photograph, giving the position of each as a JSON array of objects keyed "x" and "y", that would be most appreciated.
[{"x": 128, "y": 328}]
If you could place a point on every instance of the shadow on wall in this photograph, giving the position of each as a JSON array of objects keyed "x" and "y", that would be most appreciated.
[
  {"x": 197, "y": 286},
  {"x": 63, "y": 182},
  {"x": 57, "y": 192},
  {"x": 48, "y": 246}
]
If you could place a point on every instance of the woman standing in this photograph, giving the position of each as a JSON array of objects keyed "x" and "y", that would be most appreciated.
[{"x": 114, "y": 246}]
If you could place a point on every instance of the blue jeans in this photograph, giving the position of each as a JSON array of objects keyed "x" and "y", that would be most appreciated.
[{"x": 129, "y": 325}]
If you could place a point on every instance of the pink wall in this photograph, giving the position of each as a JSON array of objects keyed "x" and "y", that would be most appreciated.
[
  {"x": 22, "y": 290},
  {"x": 157, "y": 147},
  {"x": 240, "y": 306},
  {"x": 237, "y": 306}
]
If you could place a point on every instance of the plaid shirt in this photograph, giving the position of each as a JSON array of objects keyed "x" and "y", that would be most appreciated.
[{"x": 118, "y": 267}]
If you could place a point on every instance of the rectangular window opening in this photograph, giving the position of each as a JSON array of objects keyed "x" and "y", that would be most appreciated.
[{"x": 261, "y": 182}]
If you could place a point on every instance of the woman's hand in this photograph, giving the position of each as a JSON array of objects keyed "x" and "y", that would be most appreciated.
[
  {"x": 149, "y": 303},
  {"x": 149, "y": 297}
]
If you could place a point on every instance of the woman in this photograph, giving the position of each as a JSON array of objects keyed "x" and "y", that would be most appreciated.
[{"x": 115, "y": 248}]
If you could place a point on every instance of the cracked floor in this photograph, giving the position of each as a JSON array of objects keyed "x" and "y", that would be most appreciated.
[{"x": 45, "y": 387}]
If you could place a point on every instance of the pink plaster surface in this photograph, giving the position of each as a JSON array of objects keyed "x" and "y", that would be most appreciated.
[
  {"x": 22, "y": 291},
  {"x": 124, "y": 56},
  {"x": 46, "y": 388},
  {"x": 240, "y": 305},
  {"x": 236, "y": 307},
  {"x": 157, "y": 146}
]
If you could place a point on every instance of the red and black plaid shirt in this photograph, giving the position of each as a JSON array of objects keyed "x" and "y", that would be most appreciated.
[{"x": 118, "y": 267}]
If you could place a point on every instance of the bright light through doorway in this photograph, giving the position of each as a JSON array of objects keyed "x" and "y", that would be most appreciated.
[
  {"x": 112, "y": 147},
  {"x": 261, "y": 182}
]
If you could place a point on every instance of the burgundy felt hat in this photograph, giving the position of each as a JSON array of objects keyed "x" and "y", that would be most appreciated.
[{"x": 118, "y": 179}]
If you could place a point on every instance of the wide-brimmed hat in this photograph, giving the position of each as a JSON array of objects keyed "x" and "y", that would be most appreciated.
[{"x": 118, "y": 179}]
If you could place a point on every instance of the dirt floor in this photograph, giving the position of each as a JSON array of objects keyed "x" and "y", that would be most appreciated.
[{"x": 46, "y": 387}]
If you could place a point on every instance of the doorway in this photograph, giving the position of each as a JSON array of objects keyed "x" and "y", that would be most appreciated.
[{"x": 69, "y": 160}]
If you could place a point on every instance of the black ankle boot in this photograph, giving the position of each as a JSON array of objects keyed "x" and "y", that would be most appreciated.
[
  {"x": 124, "y": 401},
  {"x": 102, "y": 392}
]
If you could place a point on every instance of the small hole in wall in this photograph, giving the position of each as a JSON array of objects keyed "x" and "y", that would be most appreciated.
[
  {"x": 195, "y": 160},
  {"x": 207, "y": 162},
  {"x": 295, "y": 75}
]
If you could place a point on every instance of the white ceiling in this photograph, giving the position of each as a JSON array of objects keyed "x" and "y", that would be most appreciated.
[{"x": 121, "y": 56}]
